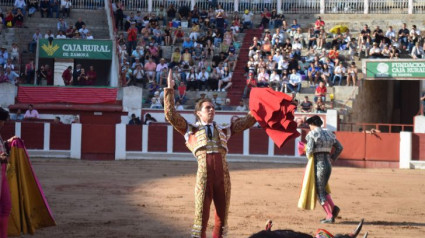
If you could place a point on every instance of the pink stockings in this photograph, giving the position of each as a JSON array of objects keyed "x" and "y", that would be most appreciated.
[{"x": 327, "y": 209}]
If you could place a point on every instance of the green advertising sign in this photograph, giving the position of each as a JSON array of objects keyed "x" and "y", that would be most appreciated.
[
  {"x": 395, "y": 69},
  {"x": 75, "y": 49}
]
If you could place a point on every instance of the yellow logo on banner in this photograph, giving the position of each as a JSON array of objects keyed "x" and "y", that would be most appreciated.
[{"x": 50, "y": 49}]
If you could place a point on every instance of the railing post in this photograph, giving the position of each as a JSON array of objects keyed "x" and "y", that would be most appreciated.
[
  {"x": 405, "y": 150},
  {"x": 279, "y": 7},
  {"x": 76, "y": 139},
  {"x": 236, "y": 6},
  {"x": 150, "y": 3},
  {"x": 410, "y": 7},
  {"x": 322, "y": 6},
  {"x": 120, "y": 141},
  {"x": 192, "y": 4},
  {"x": 246, "y": 142},
  {"x": 366, "y": 7}
]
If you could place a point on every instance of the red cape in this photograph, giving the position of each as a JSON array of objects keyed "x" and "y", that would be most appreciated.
[{"x": 274, "y": 112}]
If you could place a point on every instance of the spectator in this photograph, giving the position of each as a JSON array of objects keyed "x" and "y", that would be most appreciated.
[
  {"x": 79, "y": 24},
  {"x": 32, "y": 7},
  {"x": 319, "y": 24},
  {"x": 138, "y": 75},
  {"x": 250, "y": 83},
  {"x": 60, "y": 35},
  {"x": 3, "y": 77},
  {"x": 82, "y": 79},
  {"x": 20, "y": 5},
  {"x": 49, "y": 74},
  {"x": 178, "y": 35},
  {"x": 134, "y": 120},
  {"x": 241, "y": 107},
  {"x": 403, "y": 34},
  {"x": 17, "y": 116},
  {"x": 31, "y": 113},
  {"x": 178, "y": 106},
  {"x": 263, "y": 78},
  {"x": 126, "y": 73},
  {"x": 181, "y": 97},
  {"x": 191, "y": 79},
  {"x": 275, "y": 81},
  {"x": 18, "y": 18},
  {"x": 70, "y": 32},
  {"x": 83, "y": 31},
  {"x": 49, "y": 35},
  {"x": 62, "y": 25},
  {"x": 155, "y": 101},
  {"x": 375, "y": 51},
  {"x": 231, "y": 61},
  {"x": 295, "y": 80},
  {"x": 91, "y": 76},
  {"x": 57, "y": 120},
  {"x": 306, "y": 105},
  {"x": 4, "y": 56},
  {"x": 417, "y": 51},
  {"x": 320, "y": 106},
  {"x": 150, "y": 68},
  {"x": 44, "y": 8},
  {"x": 247, "y": 19},
  {"x": 54, "y": 8},
  {"x": 352, "y": 74},
  {"x": 149, "y": 119},
  {"x": 67, "y": 76},
  {"x": 29, "y": 71},
  {"x": 339, "y": 73},
  {"x": 41, "y": 76},
  {"x": 202, "y": 79},
  {"x": 320, "y": 92},
  {"x": 66, "y": 8},
  {"x": 314, "y": 73}
]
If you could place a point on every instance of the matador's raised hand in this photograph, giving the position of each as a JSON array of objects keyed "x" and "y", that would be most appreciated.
[{"x": 170, "y": 81}]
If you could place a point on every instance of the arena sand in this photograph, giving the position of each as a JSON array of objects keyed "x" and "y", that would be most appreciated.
[{"x": 155, "y": 199}]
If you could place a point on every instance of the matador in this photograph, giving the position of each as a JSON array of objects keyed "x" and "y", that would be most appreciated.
[{"x": 207, "y": 141}]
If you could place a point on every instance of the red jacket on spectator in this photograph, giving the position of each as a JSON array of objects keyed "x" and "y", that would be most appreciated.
[
  {"x": 132, "y": 34},
  {"x": 67, "y": 76}
]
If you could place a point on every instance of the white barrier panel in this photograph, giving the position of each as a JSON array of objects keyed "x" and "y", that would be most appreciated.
[
  {"x": 76, "y": 138},
  {"x": 405, "y": 149}
]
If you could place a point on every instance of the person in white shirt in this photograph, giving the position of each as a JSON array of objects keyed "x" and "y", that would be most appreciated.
[
  {"x": 83, "y": 32},
  {"x": 294, "y": 81},
  {"x": 66, "y": 7},
  {"x": 241, "y": 107},
  {"x": 60, "y": 35},
  {"x": 297, "y": 47},
  {"x": 339, "y": 73},
  {"x": 417, "y": 51},
  {"x": 275, "y": 80},
  {"x": 277, "y": 56},
  {"x": 31, "y": 113},
  {"x": 49, "y": 34},
  {"x": 159, "y": 68},
  {"x": 390, "y": 33},
  {"x": 247, "y": 19},
  {"x": 21, "y": 5},
  {"x": 89, "y": 36},
  {"x": 202, "y": 78}
]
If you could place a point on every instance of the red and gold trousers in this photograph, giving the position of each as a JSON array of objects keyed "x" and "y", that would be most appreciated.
[{"x": 212, "y": 185}]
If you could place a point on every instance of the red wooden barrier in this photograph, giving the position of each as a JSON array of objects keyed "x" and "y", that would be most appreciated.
[
  {"x": 235, "y": 144},
  {"x": 287, "y": 149},
  {"x": 179, "y": 143},
  {"x": 353, "y": 143},
  {"x": 60, "y": 137},
  {"x": 134, "y": 137},
  {"x": 258, "y": 141},
  {"x": 418, "y": 146},
  {"x": 157, "y": 137},
  {"x": 32, "y": 134},
  {"x": 98, "y": 142},
  {"x": 8, "y": 130},
  {"x": 382, "y": 147}
]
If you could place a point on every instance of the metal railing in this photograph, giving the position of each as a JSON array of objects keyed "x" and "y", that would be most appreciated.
[
  {"x": 388, "y": 6},
  {"x": 418, "y": 6},
  {"x": 375, "y": 127},
  {"x": 344, "y": 7},
  {"x": 301, "y": 6}
]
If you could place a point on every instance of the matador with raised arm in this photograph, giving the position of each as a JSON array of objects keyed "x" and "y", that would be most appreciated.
[{"x": 207, "y": 141}]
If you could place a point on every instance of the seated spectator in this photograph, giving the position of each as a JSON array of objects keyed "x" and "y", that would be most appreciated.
[
  {"x": 191, "y": 79},
  {"x": 45, "y": 8},
  {"x": 70, "y": 31},
  {"x": 79, "y": 24},
  {"x": 83, "y": 31},
  {"x": 275, "y": 81},
  {"x": 202, "y": 79},
  {"x": 247, "y": 19},
  {"x": 225, "y": 81},
  {"x": 67, "y": 76},
  {"x": 326, "y": 73},
  {"x": 14, "y": 52},
  {"x": 263, "y": 78},
  {"x": 417, "y": 51},
  {"x": 12, "y": 76},
  {"x": 149, "y": 119},
  {"x": 339, "y": 73},
  {"x": 134, "y": 120},
  {"x": 32, "y": 7},
  {"x": 178, "y": 35},
  {"x": 159, "y": 68},
  {"x": 231, "y": 61},
  {"x": 138, "y": 75},
  {"x": 150, "y": 68},
  {"x": 314, "y": 73},
  {"x": 181, "y": 93},
  {"x": 3, "y": 77},
  {"x": 352, "y": 74},
  {"x": 18, "y": 18},
  {"x": 9, "y": 64},
  {"x": 333, "y": 54},
  {"x": 66, "y": 8},
  {"x": 156, "y": 101},
  {"x": 320, "y": 106},
  {"x": 8, "y": 19},
  {"x": 89, "y": 36},
  {"x": 60, "y": 35},
  {"x": 295, "y": 80},
  {"x": 375, "y": 51},
  {"x": 49, "y": 35},
  {"x": 320, "y": 92},
  {"x": 306, "y": 105},
  {"x": 126, "y": 74},
  {"x": 19, "y": 5},
  {"x": 17, "y": 116},
  {"x": 31, "y": 113},
  {"x": 178, "y": 106},
  {"x": 216, "y": 101},
  {"x": 197, "y": 52},
  {"x": 241, "y": 107},
  {"x": 394, "y": 52},
  {"x": 187, "y": 57}
]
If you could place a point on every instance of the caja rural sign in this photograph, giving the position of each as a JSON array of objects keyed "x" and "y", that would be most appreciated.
[
  {"x": 75, "y": 49},
  {"x": 397, "y": 69}
]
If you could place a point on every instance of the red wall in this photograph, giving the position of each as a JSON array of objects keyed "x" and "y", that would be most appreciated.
[
  {"x": 258, "y": 141},
  {"x": 8, "y": 130},
  {"x": 60, "y": 137},
  {"x": 157, "y": 137},
  {"x": 235, "y": 144},
  {"x": 179, "y": 143},
  {"x": 134, "y": 137},
  {"x": 287, "y": 149},
  {"x": 105, "y": 118},
  {"x": 32, "y": 133},
  {"x": 353, "y": 143},
  {"x": 383, "y": 147},
  {"x": 98, "y": 142}
]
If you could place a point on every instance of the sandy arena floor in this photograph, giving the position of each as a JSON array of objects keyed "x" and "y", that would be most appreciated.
[{"x": 155, "y": 199}]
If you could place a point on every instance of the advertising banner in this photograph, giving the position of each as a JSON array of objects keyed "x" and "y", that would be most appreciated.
[
  {"x": 75, "y": 49},
  {"x": 412, "y": 69}
]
